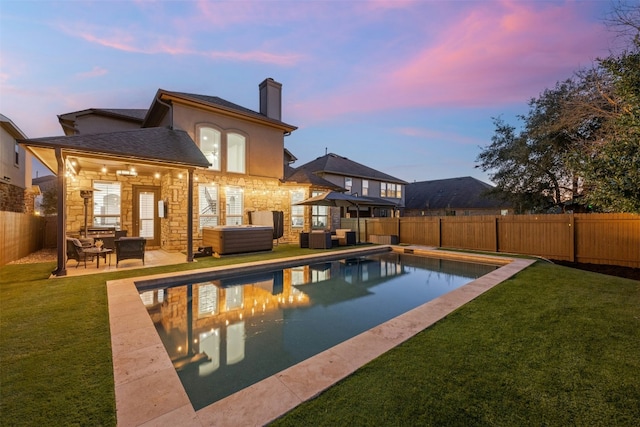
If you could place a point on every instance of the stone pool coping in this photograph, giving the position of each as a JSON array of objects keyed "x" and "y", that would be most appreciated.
[{"x": 148, "y": 390}]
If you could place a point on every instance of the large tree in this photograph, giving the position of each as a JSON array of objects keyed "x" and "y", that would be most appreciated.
[{"x": 580, "y": 141}]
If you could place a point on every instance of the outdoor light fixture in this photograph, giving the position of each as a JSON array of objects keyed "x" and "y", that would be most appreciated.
[
  {"x": 86, "y": 194},
  {"x": 104, "y": 169}
]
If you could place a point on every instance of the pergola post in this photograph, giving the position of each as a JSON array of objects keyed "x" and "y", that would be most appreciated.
[
  {"x": 190, "y": 215},
  {"x": 61, "y": 270}
]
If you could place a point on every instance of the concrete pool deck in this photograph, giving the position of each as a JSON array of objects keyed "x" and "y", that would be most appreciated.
[{"x": 148, "y": 390}]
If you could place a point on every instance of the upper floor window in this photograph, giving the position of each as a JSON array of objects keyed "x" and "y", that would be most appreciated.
[
  {"x": 348, "y": 183},
  {"x": 17, "y": 157},
  {"x": 365, "y": 187},
  {"x": 209, "y": 140},
  {"x": 236, "y": 153},
  {"x": 106, "y": 203},
  {"x": 388, "y": 189}
]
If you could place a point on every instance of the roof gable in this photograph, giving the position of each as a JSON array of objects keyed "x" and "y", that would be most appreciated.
[
  {"x": 333, "y": 164},
  {"x": 159, "y": 108}
]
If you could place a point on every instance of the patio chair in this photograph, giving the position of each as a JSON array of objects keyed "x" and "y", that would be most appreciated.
[
  {"x": 75, "y": 251},
  {"x": 130, "y": 248}
]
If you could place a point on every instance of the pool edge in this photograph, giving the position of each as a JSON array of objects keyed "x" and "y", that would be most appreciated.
[{"x": 148, "y": 389}]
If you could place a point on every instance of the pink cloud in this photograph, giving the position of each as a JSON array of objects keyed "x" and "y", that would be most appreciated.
[
  {"x": 152, "y": 44},
  {"x": 95, "y": 72},
  {"x": 494, "y": 53}
]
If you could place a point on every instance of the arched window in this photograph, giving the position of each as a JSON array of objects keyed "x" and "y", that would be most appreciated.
[
  {"x": 236, "y": 149},
  {"x": 209, "y": 142}
]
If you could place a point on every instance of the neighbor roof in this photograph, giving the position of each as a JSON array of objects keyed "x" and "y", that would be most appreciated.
[
  {"x": 303, "y": 176},
  {"x": 453, "y": 193},
  {"x": 338, "y": 165},
  {"x": 153, "y": 144}
]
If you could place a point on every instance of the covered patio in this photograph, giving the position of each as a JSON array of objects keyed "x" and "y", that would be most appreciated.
[{"x": 152, "y": 172}]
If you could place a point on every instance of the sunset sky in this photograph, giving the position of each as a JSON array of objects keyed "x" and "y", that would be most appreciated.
[{"x": 405, "y": 87}]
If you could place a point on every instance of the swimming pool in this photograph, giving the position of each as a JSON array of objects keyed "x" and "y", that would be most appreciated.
[{"x": 226, "y": 332}]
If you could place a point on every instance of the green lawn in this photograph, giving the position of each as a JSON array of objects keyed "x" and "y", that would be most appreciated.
[{"x": 552, "y": 346}]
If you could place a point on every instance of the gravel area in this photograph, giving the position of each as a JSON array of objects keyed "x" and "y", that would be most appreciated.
[{"x": 43, "y": 255}]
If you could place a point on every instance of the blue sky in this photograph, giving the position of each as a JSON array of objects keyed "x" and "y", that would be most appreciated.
[{"x": 406, "y": 87}]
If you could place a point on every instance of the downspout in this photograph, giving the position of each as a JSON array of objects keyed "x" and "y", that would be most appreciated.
[{"x": 62, "y": 215}]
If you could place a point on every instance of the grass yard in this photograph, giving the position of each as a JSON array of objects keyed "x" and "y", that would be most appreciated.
[{"x": 552, "y": 346}]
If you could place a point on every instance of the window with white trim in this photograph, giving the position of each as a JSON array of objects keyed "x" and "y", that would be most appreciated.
[
  {"x": 209, "y": 142},
  {"x": 348, "y": 183},
  {"x": 234, "y": 205},
  {"x": 319, "y": 214},
  {"x": 106, "y": 204},
  {"x": 16, "y": 160},
  {"x": 207, "y": 205},
  {"x": 236, "y": 153},
  {"x": 388, "y": 189},
  {"x": 365, "y": 187},
  {"x": 297, "y": 211}
]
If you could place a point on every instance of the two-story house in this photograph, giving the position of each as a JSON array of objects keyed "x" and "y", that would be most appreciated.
[
  {"x": 163, "y": 173},
  {"x": 356, "y": 179}
]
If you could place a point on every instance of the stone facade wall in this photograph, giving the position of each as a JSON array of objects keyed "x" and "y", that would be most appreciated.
[
  {"x": 11, "y": 198},
  {"x": 260, "y": 194}
]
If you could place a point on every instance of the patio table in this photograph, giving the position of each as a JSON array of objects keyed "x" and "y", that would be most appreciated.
[{"x": 99, "y": 252}]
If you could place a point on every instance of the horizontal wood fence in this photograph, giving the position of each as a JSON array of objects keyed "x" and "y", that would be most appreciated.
[
  {"x": 20, "y": 235},
  {"x": 612, "y": 239}
]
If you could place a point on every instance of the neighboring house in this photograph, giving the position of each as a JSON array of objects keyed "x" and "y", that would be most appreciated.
[
  {"x": 452, "y": 197},
  {"x": 46, "y": 186},
  {"x": 192, "y": 161},
  {"x": 352, "y": 178},
  {"x": 16, "y": 193}
]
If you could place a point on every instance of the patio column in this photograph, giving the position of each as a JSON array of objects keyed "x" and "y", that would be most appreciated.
[
  {"x": 190, "y": 216},
  {"x": 62, "y": 216}
]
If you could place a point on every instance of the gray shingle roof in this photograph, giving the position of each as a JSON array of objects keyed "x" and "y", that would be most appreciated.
[
  {"x": 454, "y": 193},
  {"x": 338, "y": 165},
  {"x": 154, "y": 144},
  {"x": 219, "y": 102},
  {"x": 303, "y": 176}
]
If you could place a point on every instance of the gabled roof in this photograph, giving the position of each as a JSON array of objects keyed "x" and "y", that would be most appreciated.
[
  {"x": 164, "y": 145},
  {"x": 303, "y": 176},
  {"x": 132, "y": 114},
  {"x": 454, "y": 193},
  {"x": 158, "y": 109},
  {"x": 338, "y": 165},
  {"x": 11, "y": 127}
]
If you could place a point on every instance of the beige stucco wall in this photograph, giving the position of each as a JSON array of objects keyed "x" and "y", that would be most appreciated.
[
  {"x": 265, "y": 144},
  {"x": 93, "y": 123}
]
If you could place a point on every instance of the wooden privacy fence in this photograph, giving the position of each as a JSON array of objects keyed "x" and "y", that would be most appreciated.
[
  {"x": 20, "y": 235},
  {"x": 588, "y": 238}
]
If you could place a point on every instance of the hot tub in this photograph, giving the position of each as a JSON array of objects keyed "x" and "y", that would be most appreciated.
[{"x": 235, "y": 239}]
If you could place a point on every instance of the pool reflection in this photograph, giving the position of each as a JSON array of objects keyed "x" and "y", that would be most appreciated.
[{"x": 223, "y": 335}]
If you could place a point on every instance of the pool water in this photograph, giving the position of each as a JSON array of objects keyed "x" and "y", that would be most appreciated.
[{"x": 225, "y": 334}]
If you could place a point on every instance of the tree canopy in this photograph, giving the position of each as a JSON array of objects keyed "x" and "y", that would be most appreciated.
[{"x": 579, "y": 144}]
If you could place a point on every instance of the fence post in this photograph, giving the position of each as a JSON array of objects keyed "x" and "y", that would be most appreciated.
[
  {"x": 572, "y": 238},
  {"x": 439, "y": 232},
  {"x": 497, "y": 231}
]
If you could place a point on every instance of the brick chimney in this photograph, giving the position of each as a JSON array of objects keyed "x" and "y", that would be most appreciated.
[{"x": 271, "y": 99}]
